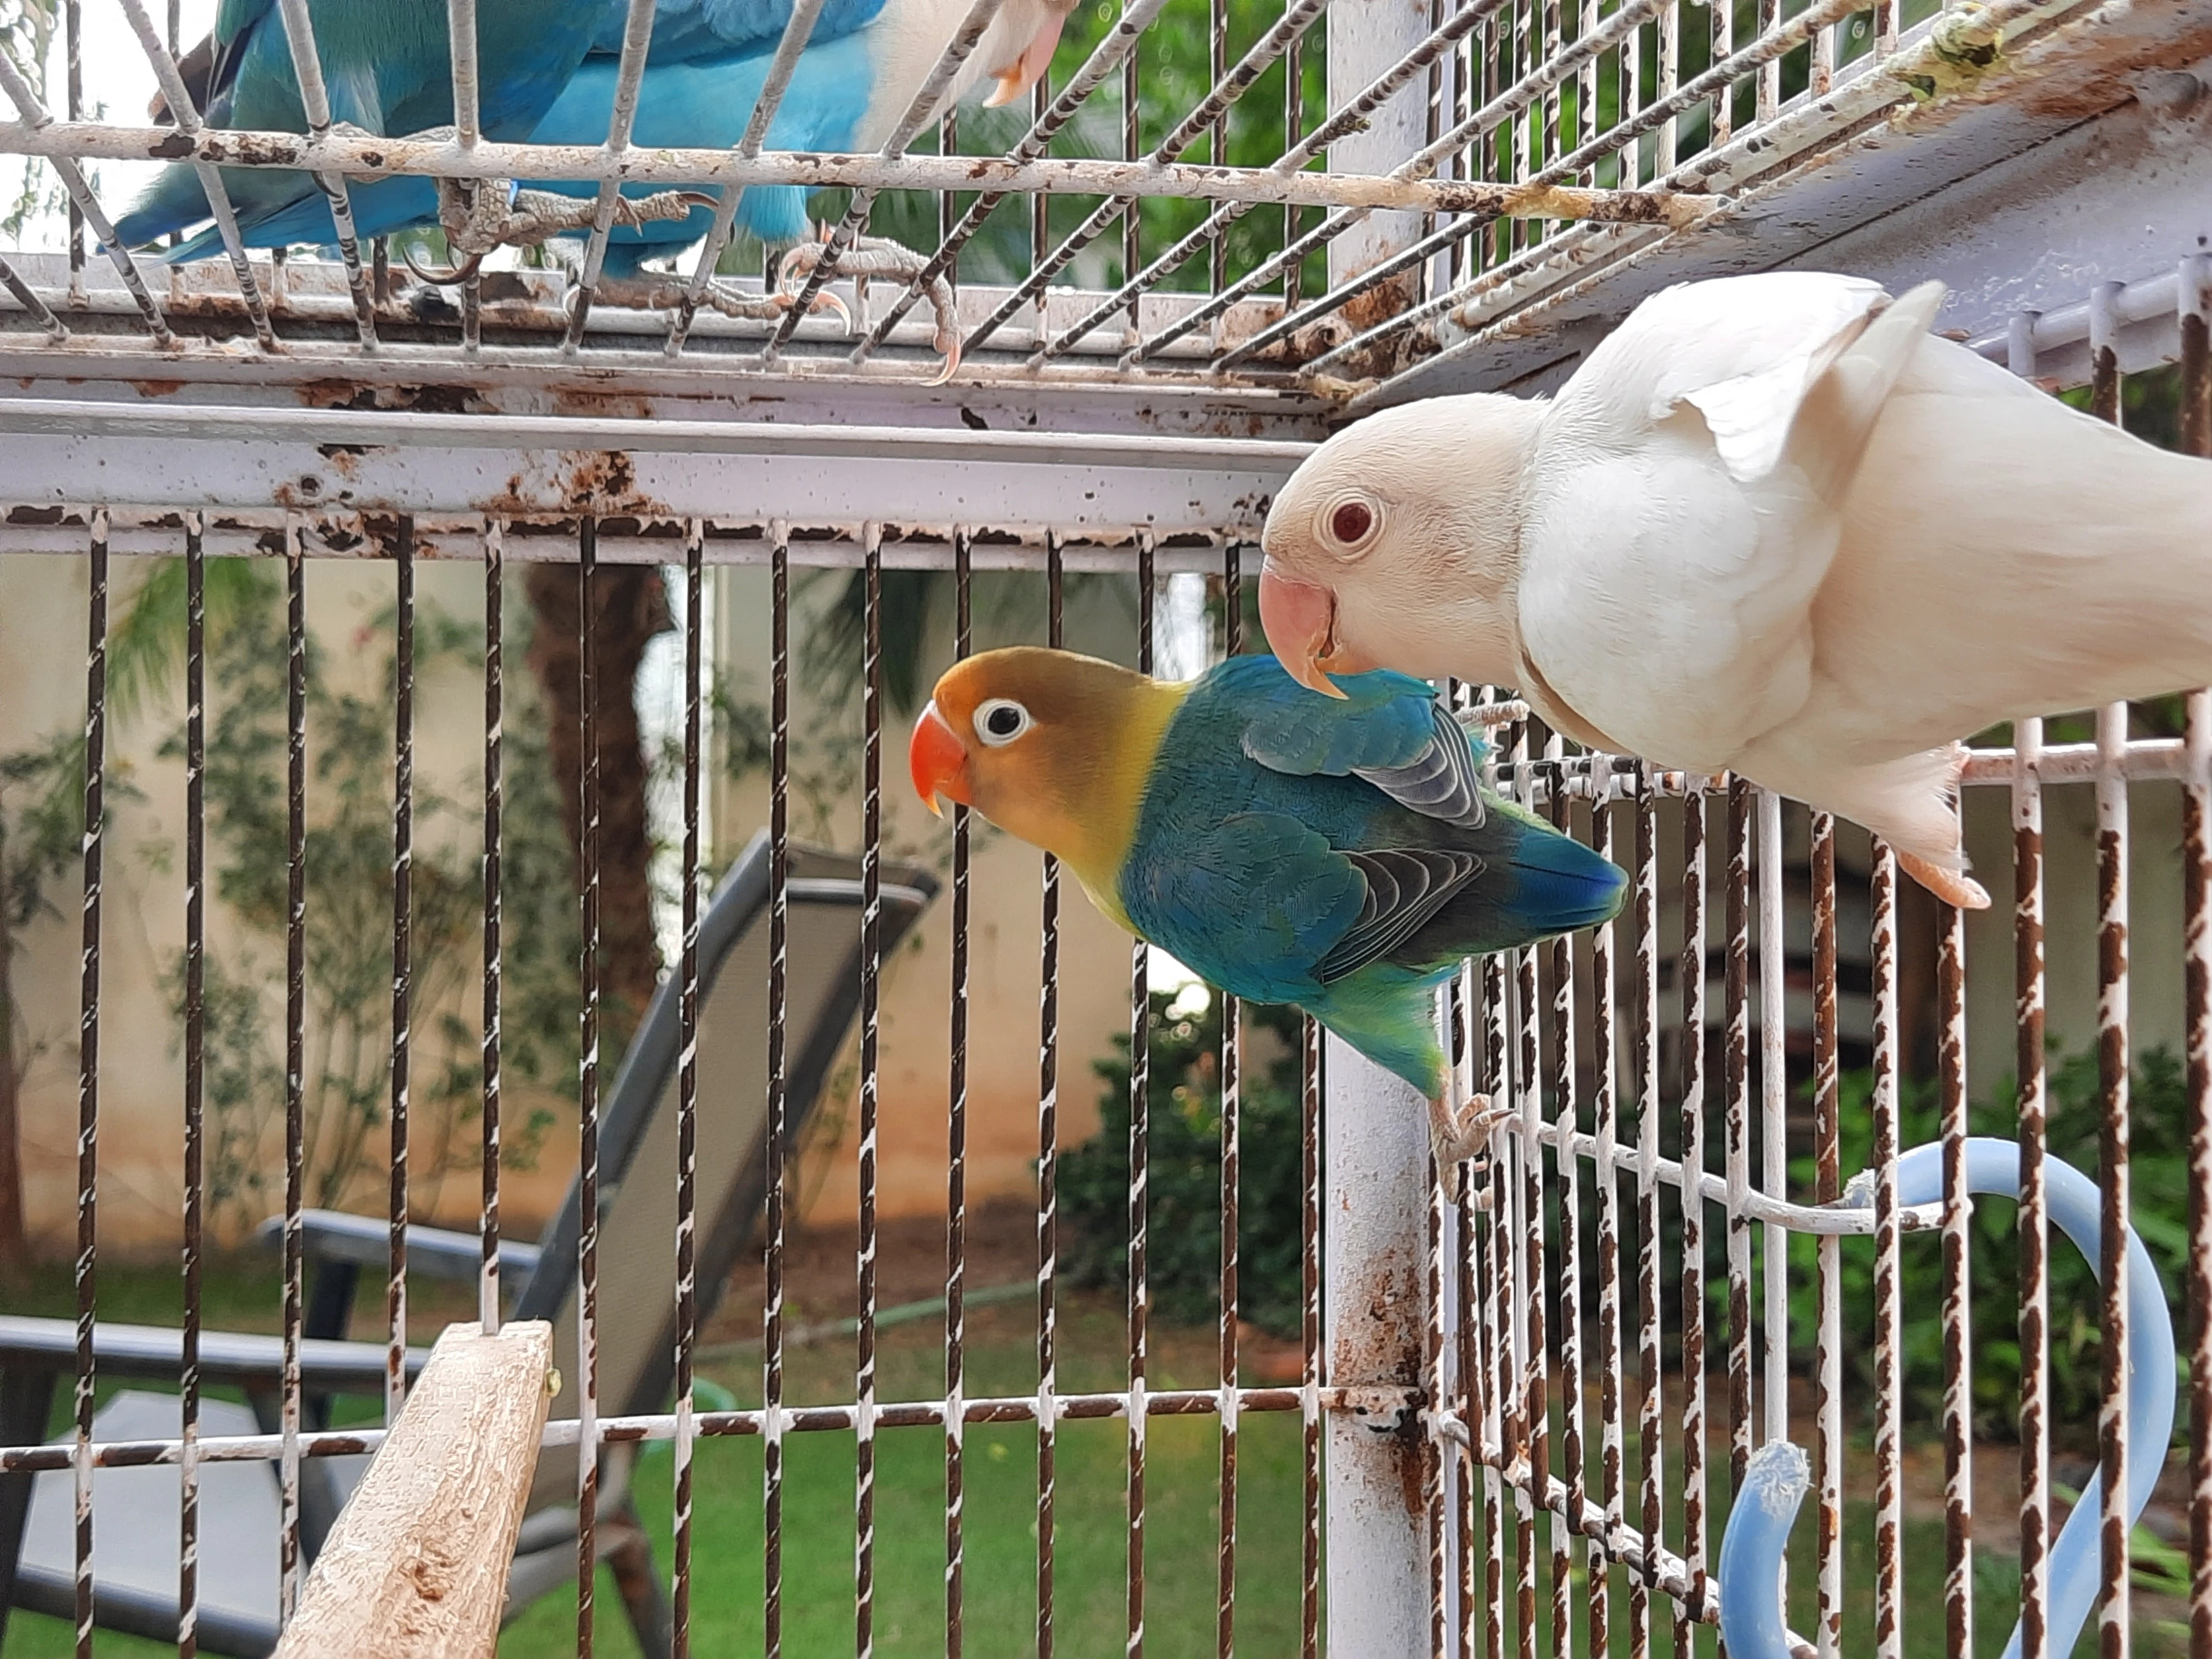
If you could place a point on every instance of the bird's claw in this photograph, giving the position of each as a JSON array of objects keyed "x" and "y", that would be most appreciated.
[
  {"x": 1461, "y": 1133},
  {"x": 1954, "y": 887},
  {"x": 477, "y": 220},
  {"x": 672, "y": 294},
  {"x": 452, "y": 278},
  {"x": 878, "y": 256}
]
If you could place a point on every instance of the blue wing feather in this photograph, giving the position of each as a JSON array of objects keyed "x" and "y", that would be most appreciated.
[{"x": 1384, "y": 718}]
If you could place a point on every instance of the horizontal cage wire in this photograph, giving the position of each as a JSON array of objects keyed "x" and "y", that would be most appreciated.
[{"x": 1524, "y": 1409}]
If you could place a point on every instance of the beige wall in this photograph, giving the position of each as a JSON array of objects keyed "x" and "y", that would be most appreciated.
[{"x": 42, "y": 625}]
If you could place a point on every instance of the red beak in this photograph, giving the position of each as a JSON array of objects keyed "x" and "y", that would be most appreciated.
[
  {"x": 938, "y": 761},
  {"x": 1300, "y": 620}
]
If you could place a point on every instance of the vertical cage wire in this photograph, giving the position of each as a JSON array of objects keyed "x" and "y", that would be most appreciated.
[
  {"x": 1958, "y": 1352},
  {"x": 1773, "y": 1121},
  {"x": 2113, "y": 1619},
  {"x": 956, "y": 1167},
  {"x": 1692, "y": 975},
  {"x": 1141, "y": 1083},
  {"x": 2196, "y": 320},
  {"x": 1735, "y": 1125},
  {"x": 402, "y": 883},
  {"x": 2028, "y": 1061},
  {"x": 1827, "y": 1188},
  {"x": 295, "y": 1044},
  {"x": 1526, "y": 1232},
  {"x": 1435, "y": 1479},
  {"x": 687, "y": 1095},
  {"x": 1612, "y": 1255},
  {"x": 87, "y": 1072},
  {"x": 1888, "y": 1312},
  {"x": 1651, "y": 1309},
  {"x": 1557, "y": 963},
  {"x": 871, "y": 831},
  {"x": 1047, "y": 1216},
  {"x": 487, "y": 1286},
  {"x": 195, "y": 1170},
  {"x": 1312, "y": 1082},
  {"x": 779, "y": 1098},
  {"x": 73, "y": 49},
  {"x": 588, "y": 1092},
  {"x": 1232, "y": 1099}
]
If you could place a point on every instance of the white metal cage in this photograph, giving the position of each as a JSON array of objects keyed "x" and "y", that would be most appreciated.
[{"x": 1497, "y": 184}]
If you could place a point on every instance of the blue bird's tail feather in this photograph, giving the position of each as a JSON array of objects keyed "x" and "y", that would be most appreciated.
[
  {"x": 173, "y": 200},
  {"x": 1559, "y": 884},
  {"x": 380, "y": 207}
]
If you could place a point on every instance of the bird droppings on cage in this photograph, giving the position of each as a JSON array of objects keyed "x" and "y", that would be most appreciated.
[
  {"x": 2103, "y": 57},
  {"x": 436, "y": 398}
]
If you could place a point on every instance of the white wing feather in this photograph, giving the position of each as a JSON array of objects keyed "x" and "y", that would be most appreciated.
[{"x": 1684, "y": 505}]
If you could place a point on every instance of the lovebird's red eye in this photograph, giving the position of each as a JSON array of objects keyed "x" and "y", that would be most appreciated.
[{"x": 1351, "y": 521}]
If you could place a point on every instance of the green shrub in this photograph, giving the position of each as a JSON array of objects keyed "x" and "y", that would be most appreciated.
[{"x": 1183, "y": 1183}]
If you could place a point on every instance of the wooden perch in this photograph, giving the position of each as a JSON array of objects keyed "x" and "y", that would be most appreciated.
[{"x": 416, "y": 1566}]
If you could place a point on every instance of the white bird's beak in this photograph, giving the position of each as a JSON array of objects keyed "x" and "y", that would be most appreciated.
[
  {"x": 1026, "y": 70},
  {"x": 1299, "y": 618}
]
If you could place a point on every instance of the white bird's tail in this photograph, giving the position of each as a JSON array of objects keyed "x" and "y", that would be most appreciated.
[
  {"x": 1912, "y": 803},
  {"x": 2005, "y": 555}
]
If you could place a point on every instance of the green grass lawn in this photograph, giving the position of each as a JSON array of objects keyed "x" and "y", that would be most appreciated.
[{"x": 1090, "y": 1535}]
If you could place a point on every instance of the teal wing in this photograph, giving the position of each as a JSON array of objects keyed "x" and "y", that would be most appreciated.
[
  {"x": 1267, "y": 908},
  {"x": 1535, "y": 883},
  {"x": 1388, "y": 729}
]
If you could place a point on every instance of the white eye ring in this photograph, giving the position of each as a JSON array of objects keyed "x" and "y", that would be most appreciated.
[
  {"x": 992, "y": 724},
  {"x": 1348, "y": 523}
]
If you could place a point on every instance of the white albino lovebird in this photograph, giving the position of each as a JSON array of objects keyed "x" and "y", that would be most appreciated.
[{"x": 1771, "y": 526}]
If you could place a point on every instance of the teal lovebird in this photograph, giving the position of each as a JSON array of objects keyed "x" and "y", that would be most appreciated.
[
  {"x": 1337, "y": 853},
  {"x": 863, "y": 64}
]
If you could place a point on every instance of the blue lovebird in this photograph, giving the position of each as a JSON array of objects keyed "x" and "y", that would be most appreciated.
[
  {"x": 864, "y": 63},
  {"x": 1338, "y": 854},
  {"x": 388, "y": 70}
]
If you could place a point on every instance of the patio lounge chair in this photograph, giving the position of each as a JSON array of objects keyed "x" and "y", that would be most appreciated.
[{"x": 135, "y": 1510}]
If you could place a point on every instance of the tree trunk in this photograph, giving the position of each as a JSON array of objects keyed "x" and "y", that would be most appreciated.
[
  {"x": 14, "y": 1241},
  {"x": 629, "y": 606}
]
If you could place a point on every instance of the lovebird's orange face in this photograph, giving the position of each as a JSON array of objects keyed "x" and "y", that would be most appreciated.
[{"x": 1049, "y": 745}]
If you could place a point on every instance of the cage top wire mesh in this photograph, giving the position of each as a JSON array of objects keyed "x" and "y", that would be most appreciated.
[{"x": 1212, "y": 225}]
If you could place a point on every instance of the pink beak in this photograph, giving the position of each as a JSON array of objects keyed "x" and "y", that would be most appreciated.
[
  {"x": 1029, "y": 68},
  {"x": 1300, "y": 620}
]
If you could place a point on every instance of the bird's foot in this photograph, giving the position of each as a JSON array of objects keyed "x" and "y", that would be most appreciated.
[
  {"x": 670, "y": 293},
  {"x": 878, "y": 256},
  {"x": 1954, "y": 887},
  {"x": 479, "y": 215},
  {"x": 1458, "y": 1133},
  {"x": 1483, "y": 716}
]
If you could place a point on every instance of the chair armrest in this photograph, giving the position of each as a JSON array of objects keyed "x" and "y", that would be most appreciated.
[
  {"x": 158, "y": 1351},
  {"x": 433, "y": 1252}
]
